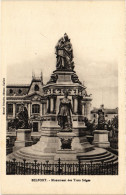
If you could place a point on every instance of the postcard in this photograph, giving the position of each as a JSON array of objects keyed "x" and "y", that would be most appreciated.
[{"x": 63, "y": 97}]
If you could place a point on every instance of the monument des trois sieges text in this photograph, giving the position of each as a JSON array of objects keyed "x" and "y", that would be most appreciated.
[{"x": 66, "y": 104}]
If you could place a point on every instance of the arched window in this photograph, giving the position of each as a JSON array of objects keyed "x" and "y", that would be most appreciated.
[
  {"x": 35, "y": 108},
  {"x": 11, "y": 91},
  {"x": 36, "y": 88},
  {"x": 19, "y": 91}
]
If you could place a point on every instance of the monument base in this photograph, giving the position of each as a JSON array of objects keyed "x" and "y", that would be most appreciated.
[
  {"x": 66, "y": 155},
  {"x": 80, "y": 145},
  {"x": 23, "y": 139},
  {"x": 101, "y": 138},
  {"x": 65, "y": 147}
]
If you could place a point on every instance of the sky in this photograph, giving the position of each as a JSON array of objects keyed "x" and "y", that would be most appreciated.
[{"x": 31, "y": 30}]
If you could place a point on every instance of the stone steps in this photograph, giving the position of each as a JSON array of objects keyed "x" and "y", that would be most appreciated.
[
  {"x": 19, "y": 157},
  {"x": 34, "y": 156},
  {"x": 26, "y": 156},
  {"x": 96, "y": 157},
  {"x": 104, "y": 159},
  {"x": 114, "y": 160},
  {"x": 107, "y": 157}
]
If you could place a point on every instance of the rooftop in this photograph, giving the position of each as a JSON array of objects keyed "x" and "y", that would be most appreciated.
[{"x": 105, "y": 110}]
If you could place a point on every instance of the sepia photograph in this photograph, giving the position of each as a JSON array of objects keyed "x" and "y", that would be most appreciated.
[
  {"x": 51, "y": 128},
  {"x": 62, "y": 71}
]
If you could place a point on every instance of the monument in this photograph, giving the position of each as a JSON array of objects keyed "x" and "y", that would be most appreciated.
[
  {"x": 23, "y": 129},
  {"x": 64, "y": 54},
  {"x": 63, "y": 131},
  {"x": 64, "y": 115},
  {"x": 65, "y": 149},
  {"x": 101, "y": 134}
]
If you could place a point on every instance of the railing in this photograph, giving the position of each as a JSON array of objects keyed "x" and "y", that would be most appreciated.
[{"x": 59, "y": 168}]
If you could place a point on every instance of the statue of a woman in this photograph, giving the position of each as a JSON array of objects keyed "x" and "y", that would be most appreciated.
[
  {"x": 64, "y": 115},
  {"x": 64, "y": 54}
]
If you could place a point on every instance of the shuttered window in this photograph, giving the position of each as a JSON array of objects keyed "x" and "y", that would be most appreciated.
[
  {"x": 36, "y": 108},
  {"x": 10, "y": 109}
]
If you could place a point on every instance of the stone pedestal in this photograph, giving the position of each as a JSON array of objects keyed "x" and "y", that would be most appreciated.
[
  {"x": 65, "y": 147},
  {"x": 101, "y": 138},
  {"x": 23, "y": 138},
  {"x": 63, "y": 76}
]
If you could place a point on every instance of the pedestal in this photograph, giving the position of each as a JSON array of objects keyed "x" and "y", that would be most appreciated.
[
  {"x": 65, "y": 147},
  {"x": 23, "y": 139},
  {"x": 101, "y": 138}
]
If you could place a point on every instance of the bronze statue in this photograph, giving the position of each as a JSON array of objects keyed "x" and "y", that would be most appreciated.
[
  {"x": 64, "y": 115},
  {"x": 21, "y": 121},
  {"x": 101, "y": 120},
  {"x": 64, "y": 54}
]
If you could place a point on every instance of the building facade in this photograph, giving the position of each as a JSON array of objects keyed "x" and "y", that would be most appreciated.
[
  {"x": 108, "y": 113},
  {"x": 42, "y": 101}
]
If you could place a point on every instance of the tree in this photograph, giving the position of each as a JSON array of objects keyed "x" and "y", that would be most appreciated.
[{"x": 114, "y": 122}]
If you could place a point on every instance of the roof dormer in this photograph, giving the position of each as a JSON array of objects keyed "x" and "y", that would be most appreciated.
[{"x": 36, "y": 84}]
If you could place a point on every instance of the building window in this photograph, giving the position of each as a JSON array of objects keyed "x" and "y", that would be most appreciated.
[
  {"x": 35, "y": 108},
  {"x": 19, "y": 91},
  {"x": 36, "y": 88},
  {"x": 106, "y": 115},
  {"x": 94, "y": 115},
  {"x": 11, "y": 91},
  {"x": 10, "y": 109}
]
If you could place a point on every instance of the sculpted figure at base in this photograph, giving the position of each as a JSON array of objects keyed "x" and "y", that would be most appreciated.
[
  {"x": 64, "y": 115},
  {"x": 64, "y": 54},
  {"x": 21, "y": 121},
  {"x": 101, "y": 120}
]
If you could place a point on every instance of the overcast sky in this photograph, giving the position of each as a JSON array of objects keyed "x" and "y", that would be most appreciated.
[{"x": 32, "y": 29}]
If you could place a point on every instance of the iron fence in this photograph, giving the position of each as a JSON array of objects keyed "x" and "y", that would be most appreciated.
[{"x": 35, "y": 168}]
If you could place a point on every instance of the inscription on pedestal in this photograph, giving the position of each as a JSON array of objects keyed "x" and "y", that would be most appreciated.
[{"x": 64, "y": 78}]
